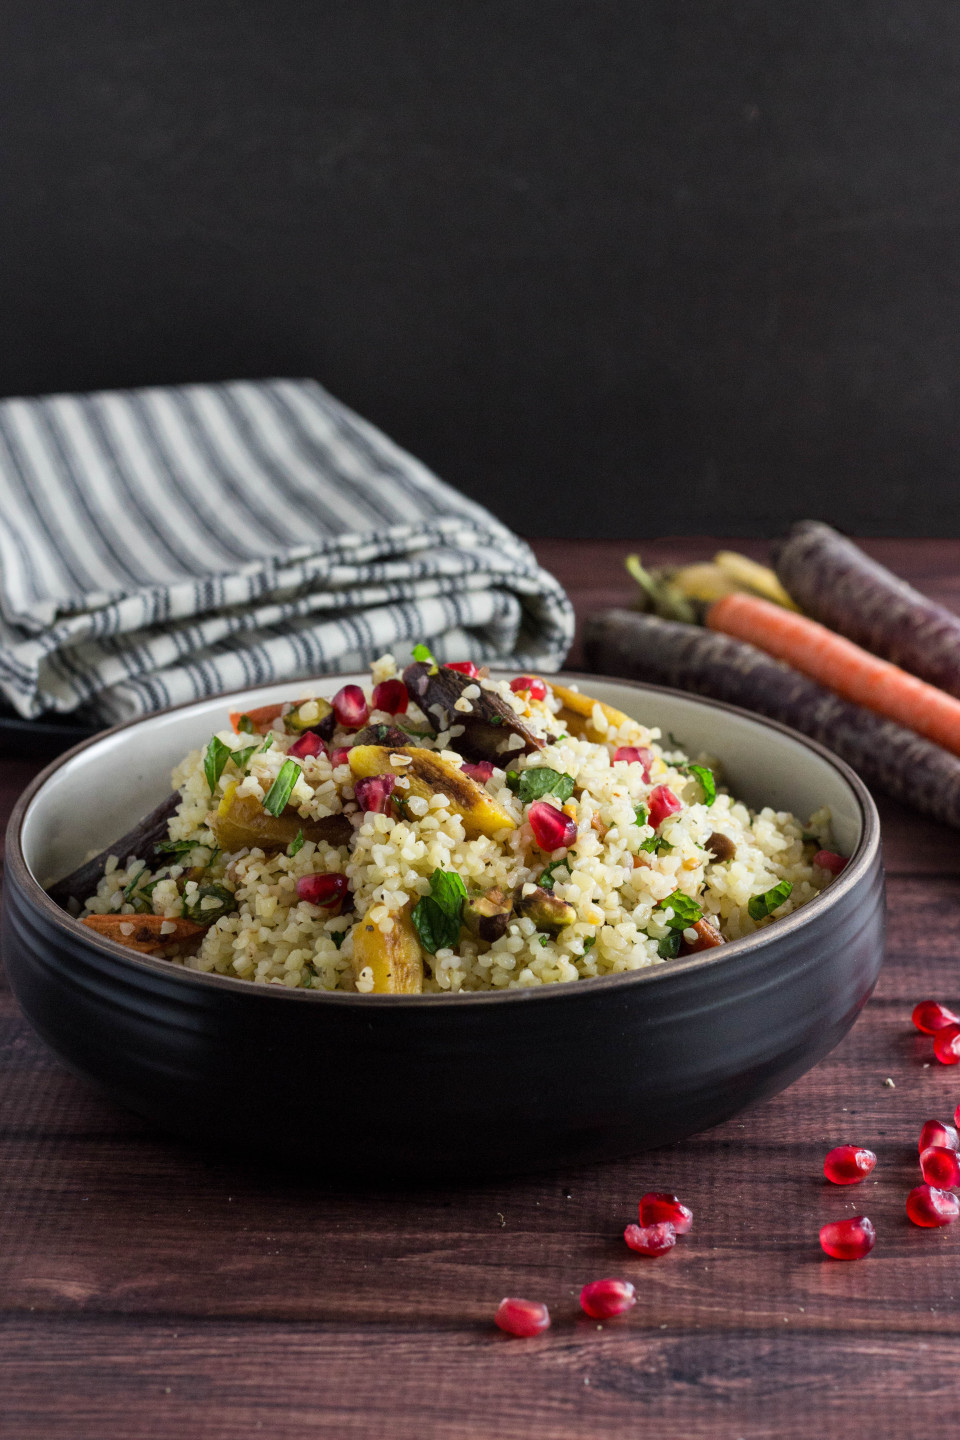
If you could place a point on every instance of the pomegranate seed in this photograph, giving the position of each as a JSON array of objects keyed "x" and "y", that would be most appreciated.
[
  {"x": 663, "y": 802},
  {"x": 930, "y": 1016},
  {"x": 635, "y": 755},
  {"x": 339, "y": 755},
  {"x": 829, "y": 860},
  {"x": 940, "y": 1166},
  {"x": 552, "y": 830},
  {"x": 536, "y": 688},
  {"x": 308, "y": 744},
  {"x": 933, "y": 1133},
  {"x": 350, "y": 707},
  {"x": 946, "y": 1045},
  {"x": 659, "y": 1205},
  {"x": 848, "y": 1164},
  {"x": 602, "y": 1298},
  {"x": 480, "y": 772},
  {"x": 391, "y": 696},
  {"x": 373, "y": 792},
  {"x": 651, "y": 1239},
  {"x": 929, "y": 1206},
  {"x": 522, "y": 1317},
  {"x": 466, "y": 667},
  {"x": 322, "y": 889},
  {"x": 848, "y": 1239}
]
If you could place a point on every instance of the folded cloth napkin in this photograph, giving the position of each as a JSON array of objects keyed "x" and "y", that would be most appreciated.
[{"x": 160, "y": 545}]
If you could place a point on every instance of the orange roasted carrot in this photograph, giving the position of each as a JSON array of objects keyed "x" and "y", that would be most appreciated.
[
  {"x": 841, "y": 666},
  {"x": 261, "y": 719}
]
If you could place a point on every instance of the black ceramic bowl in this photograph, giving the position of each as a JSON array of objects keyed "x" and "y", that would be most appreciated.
[{"x": 440, "y": 1086}]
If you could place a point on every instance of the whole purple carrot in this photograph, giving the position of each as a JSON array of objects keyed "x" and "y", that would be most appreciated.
[
  {"x": 663, "y": 652},
  {"x": 833, "y": 581}
]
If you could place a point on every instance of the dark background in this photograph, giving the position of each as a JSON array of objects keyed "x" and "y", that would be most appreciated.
[{"x": 613, "y": 268}]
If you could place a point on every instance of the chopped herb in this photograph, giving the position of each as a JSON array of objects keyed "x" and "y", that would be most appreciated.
[
  {"x": 669, "y": 947},
  {"x": 202, "y": 914},
  {"x": 246, "y": 725},
  {"x": 641, "y": 814},
  {"x": 215, "y": 757},
  {"x": 240, "y": 757},
  {"x": 437, "y": 915},
  {"x": 656, "y": 845},
  {"x": 761, "y": 905},
  {"x": 400, "y": 805},
  {"x": 267, "y": 745},
  {"x": 686, "y": 910},
  {"x": 546, "y": 879},
  {"x": 282, "y": 788},
  {"x": 706, "y": 781},
  {"x": 673, "y": 740},
  {"x": 530, "y": 785},
  {"x": 180, "y": 848},
  {"x": 337, "y": 936},
  {"x": 809, "y": 839},
  {"x": 424, "y": 655},
  {"x": 495, "y": 720},
  {"x": 132, "y": 884},
  {"x": 589, "y": 943},
  {"x": 141, "y": 899},
  {"x": 296, "y": 844},
  {"x": 544, "y": 939}
]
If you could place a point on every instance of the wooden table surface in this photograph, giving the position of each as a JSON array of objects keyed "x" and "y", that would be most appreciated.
[{"x": 148, "y": 1290}]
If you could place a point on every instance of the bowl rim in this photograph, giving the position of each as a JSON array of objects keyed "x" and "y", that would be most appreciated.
[{"x": 856, "y": 870}]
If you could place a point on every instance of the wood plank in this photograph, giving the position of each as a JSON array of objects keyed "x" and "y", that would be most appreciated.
[{"x": 96, "y": 1381}]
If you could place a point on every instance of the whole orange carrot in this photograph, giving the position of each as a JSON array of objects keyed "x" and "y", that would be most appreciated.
[{"x": 841, "y": 666}]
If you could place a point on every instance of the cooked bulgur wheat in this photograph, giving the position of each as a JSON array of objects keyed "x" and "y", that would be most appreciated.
[{"x": 616, "y": 875}]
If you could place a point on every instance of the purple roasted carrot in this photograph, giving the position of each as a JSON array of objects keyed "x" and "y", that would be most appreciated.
[
  {"x": 833, "y": 581},
  {"x": 643, "y": 647}
]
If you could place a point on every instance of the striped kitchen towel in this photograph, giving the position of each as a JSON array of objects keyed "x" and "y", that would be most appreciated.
[{"x": 160, "y": 545}]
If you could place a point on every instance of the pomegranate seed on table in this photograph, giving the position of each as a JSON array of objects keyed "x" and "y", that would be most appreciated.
[
  {"x": 940, "y": 1166},
  {"x": 322, "y": 889},
  {"x": 466, "y": 667},
  {"x": 651, "y": 1239},
  {"x": 339, "y": 755},
  {"x": 373, "y": 792},
  {"x": 552, "y": 830},
  {"x": 930, "y": 1016},
  {"x": 350, "y": 707},
  {"x": 660, "y": 1205},
  {"x": 480, "y": 772},
  {"x": 848, "y": 1239},
  {"x": 635, "y": 755},
  {"x": 308, "y": 744},
  {"x": 933, "y": 1133},
  {"x": 522, "y": 1317},
  {"x": 929, "y": 1206},
  {"x": 536, "y": 688},
  {"x": 946, "y": 1045},
  {"x": 391, "y": 696},
  {"x": 662, "y": 803},
  {"x": 848, "y": 1164},
  {"x": 829, "y": 860},
  {"x": 603, "y": 1298}
]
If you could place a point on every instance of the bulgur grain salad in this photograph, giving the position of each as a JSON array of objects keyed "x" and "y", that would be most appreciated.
[{"x": 449, "y": 832}]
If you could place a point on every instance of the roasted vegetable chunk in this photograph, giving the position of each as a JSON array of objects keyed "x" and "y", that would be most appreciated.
[
  {"x": 577, "y": 713},
  {"x": 487, "y": 723},
  {"x": 395, "y": 960},
  {"x": 145, "y": 933},
  {"x": 429, "y": 774},
  {"x": 241, "y": 821},
  {"x": 139, "y": 841}
]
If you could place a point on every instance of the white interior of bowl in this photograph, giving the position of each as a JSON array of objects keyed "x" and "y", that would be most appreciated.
[{"x": 99, "y": 794}]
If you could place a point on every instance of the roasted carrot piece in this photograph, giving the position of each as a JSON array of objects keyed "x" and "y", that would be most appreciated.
[
  {"x": 142, "y": 932},
  {"x": 841, "y": 666},
  {"x": 261, "y": 719}
]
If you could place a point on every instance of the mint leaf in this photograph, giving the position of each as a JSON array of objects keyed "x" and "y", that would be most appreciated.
[
  {"x": 280, "y": 791},
  {"x": 669, "y": 946},
  {"x": 296, "y": 844},
  {"x": 546, "y": 879},
  {"x": 179, "y": 848},
  {"x": 337, "y": 936},
  {"x": 215, "y": 757},
  {"x": 686, "y": 910},
  {"x": 437, "y": 916},
  {"x": 529, "y": 785},
  {"x": 589, "y": 943},
  {"x": 706, "y": 780},
  {"x": 241, "y": 757},
  {"x": 641, "y": 814},
  {"x": 760, "y": 905},
  {"x": 656, "y": 845},
  {"x": 423, "y": 654}
]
